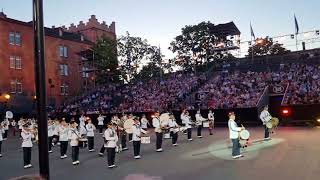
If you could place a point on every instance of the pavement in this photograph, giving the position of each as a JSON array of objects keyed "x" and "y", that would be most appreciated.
[{"x": 293, "y": 153}]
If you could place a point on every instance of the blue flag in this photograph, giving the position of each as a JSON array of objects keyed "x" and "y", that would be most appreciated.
[{"x": 296, "y": 24}]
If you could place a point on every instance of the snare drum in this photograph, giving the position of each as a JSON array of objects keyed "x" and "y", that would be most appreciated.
[
  {"x": 166, "y": 136},
  {"x": 206, "y": 124},
  {"x": 269, "y": 124},
  {"x": 145, "y": 140},
  {"x": 83, "y": 142},
  {"x": 244, "y": 134}
]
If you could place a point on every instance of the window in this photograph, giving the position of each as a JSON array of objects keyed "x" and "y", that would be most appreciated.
[
  {"x": 63, "y": 51},
  {"x": 11, "y": 38},
  {"x": 64, "y": 89},
  {"x": 16, "y": 86},
  {"x": 15, "y": 38},
  {"x": 15, "y": 62},
  {"x": 64, "y": 70},
  {"x": 85, "y": 73}
]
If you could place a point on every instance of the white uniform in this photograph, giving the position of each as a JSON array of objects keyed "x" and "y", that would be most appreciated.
[
  {"x": 136, "y": 132},
  {"x": 128, "y": 125},
  {"x": 111, "y": 138},
  {"x": 1, "y": 132},
  {"x": 20, "y": 123},
  {"x": 199, "y": 119},
  {"x": 211, "y": 116},
  {"x": 173, "y": 124},
  {"x": 156, "y": 124},
  {"x": 5, "y": 124},
  {"x": 90, "y": 130},
  {"x": 82, "y": 119},
  {"x": 144, "y": 123},
  {"x": 63, "y": 133},
  {"x": 100, "y": 120},
  {"x": 265, "y": 116},
  {"x": 186, "y": 121},
  {"x": 82, "y": 130},
  {"x": 74, "y": 136},
  {"x": 233, "y": 129},
  {"x": 27, "y": 138},
  {"x": 50, "y": 130}
]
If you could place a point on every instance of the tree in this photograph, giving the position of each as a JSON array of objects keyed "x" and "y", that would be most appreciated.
[
  {"x": 131, "y": 51},
  {"x": 196, "y": 44},
  {"x": 266, "y": 46},
  {"x": 105, "y": 59},
  {"x": 151, "y": 70}
]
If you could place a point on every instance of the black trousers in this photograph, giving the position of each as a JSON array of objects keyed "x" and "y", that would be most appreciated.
[
  {"x": 102, "y": 149},
  {"x": 100, "y": 127},
  {"x": 136, "y": 148},
  {"x": 26, "y": 156},
  {"x": 50, "y": 142},
  {"x": 111, "y": 154},
  {"x": 266, "y": 132},
  {"x": 63, "y": 147},
  {"x": 199, "y": 130},
  {"x": 90, "y": 142},
  {"x": 5, "y": 135},
  {"x": 130, "y": 137},
  {"x": 189, "y": 133},
  {"x": 159, "y": 140},
  {"x": 57, "y": 139},
  {"x": 75, "y": 153},
  {"x": 174, "y": 137},
  {"x": 124, "y": 140},
  {"x": 0, "y": 146}
]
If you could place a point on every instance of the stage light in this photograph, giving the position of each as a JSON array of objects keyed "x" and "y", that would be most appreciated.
[
  {"x": 7, "y": 96},
  {"x": 259, "y": 41},
  {"x": 318, "y": 120},
  {"x": 285, "y": 111}
]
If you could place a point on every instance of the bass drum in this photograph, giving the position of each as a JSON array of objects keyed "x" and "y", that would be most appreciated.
[
  {"x": 269, "y": 124},
  {"x": 275, "y": 122},
  {"x": 244, "y": 134}
]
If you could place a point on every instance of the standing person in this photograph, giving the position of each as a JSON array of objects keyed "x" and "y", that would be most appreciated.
[
  {"x": 173, "y": 130},
  {"x": 122, "y": 135},
  {"x": 14, "y": 127},
  {"x": 82, "y": 120},
  {"x": 63, "y": 138},
  {"x": 1, "y": 138},
  {"x": 211, "y": 121},
  {"x": 234, "y": 135},
  {"x": 156, "y": 123},
  {"x": 5, "y": 125},
  {"x": 74, "y": 142},
  {"x": 56, "y": 125},
  {"x": 265, "y": 117},
  {"x": 182, "y": 116},
  {"x": 199, "y": 121},
  {"x": 136, "y": 137},
  {"x": 20, "y": 124},
  {"x": 110, "y": 144},
  {"x": 27, "y": 136},
  {"x": 144, "y": 123},
  {"x": 100, "y": 123},
  {"x": 50, "y": 134},
  {"x": 90, "y": 135},
  {"x": 186, "y": 120},
  {"x": 128, "y": 123}
]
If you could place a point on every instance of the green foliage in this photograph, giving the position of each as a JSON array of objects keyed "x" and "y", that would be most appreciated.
[{"x": 266, "y": 46}]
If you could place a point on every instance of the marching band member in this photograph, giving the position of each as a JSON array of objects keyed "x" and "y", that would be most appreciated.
[
  {"x": 156, "y": 123},
  {"x": 211, "y": 121},
  {"x": 27, "y": 136},
  {"x": 110, "y": 144},
  {"x": 173, "y": 132},
  {"x": 136, "y": 131},
  {"x": 74, "y": 142},
  {"x": 1, "y": 137},
  {"x": 100, "y": 123},
  {"x": 82, "y": 120},
  {"x": 128, "y": 123},
  {"x": 234, "y": 136},
  {"x": 50, "y": 134},
  {"x": 5, "y": 125},
  {"x": 265, "y": 117},
  {"x": 63, "y": 138},
  {"x": 144, "y": 122},
  {"x": 14, "y": 127},
  {"x": 90, "y": 135},
  {"x": 186, "y": 120},
  {"x": 199, "y": 121},
  {"x": 56, "y": 125},
  {"x": 122, "y": 135},
  {"x": 20, "y": 124}
]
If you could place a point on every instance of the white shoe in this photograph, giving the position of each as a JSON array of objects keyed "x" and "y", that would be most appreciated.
[
  {"x": 159, "y": 150},
  {"x": 26, "y": 166},
  {"x": 91, "y": 150},
  {"x": 0, "y": 155},
  {"x": 101, "y": 154},
  {"x": 29, "y": 166},
  {"x": 137, "y": 157},
  {"x": 64, "y": 156},
  {"x": 236, "y": 157},
  {"x": 175, "y": 144},
  {"x": 74, "y": 163},
  {"x": 78, "y": 162},
  {"x": 199, "y": 136},
  {"x": 50, "y": 151},
  {"x": 189, "y": 139},
  {"x": 124, "y": 149}
]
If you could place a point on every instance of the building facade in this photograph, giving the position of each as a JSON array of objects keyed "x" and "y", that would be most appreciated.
[{"x": 65, "y": 71}]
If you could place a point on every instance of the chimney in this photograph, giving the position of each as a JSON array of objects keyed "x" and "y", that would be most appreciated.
[
  {"x": 53, "y": 27},
  {"x": 60, "y": 32}
]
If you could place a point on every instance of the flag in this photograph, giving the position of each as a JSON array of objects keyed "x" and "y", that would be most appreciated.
[
  {"x": 252, "y": 33},
  {"x": 296, "y": 24}
]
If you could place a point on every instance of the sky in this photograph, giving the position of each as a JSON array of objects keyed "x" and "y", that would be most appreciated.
[{"x": 159, "y": 21}]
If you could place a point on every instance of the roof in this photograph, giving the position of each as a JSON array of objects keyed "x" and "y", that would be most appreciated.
[
  {"x": 53, "y": 32},
  {"x": 227, "y": 29}
]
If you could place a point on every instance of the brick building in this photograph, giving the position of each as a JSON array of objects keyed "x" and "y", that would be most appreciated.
[{"x": 64, "y": 65}]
